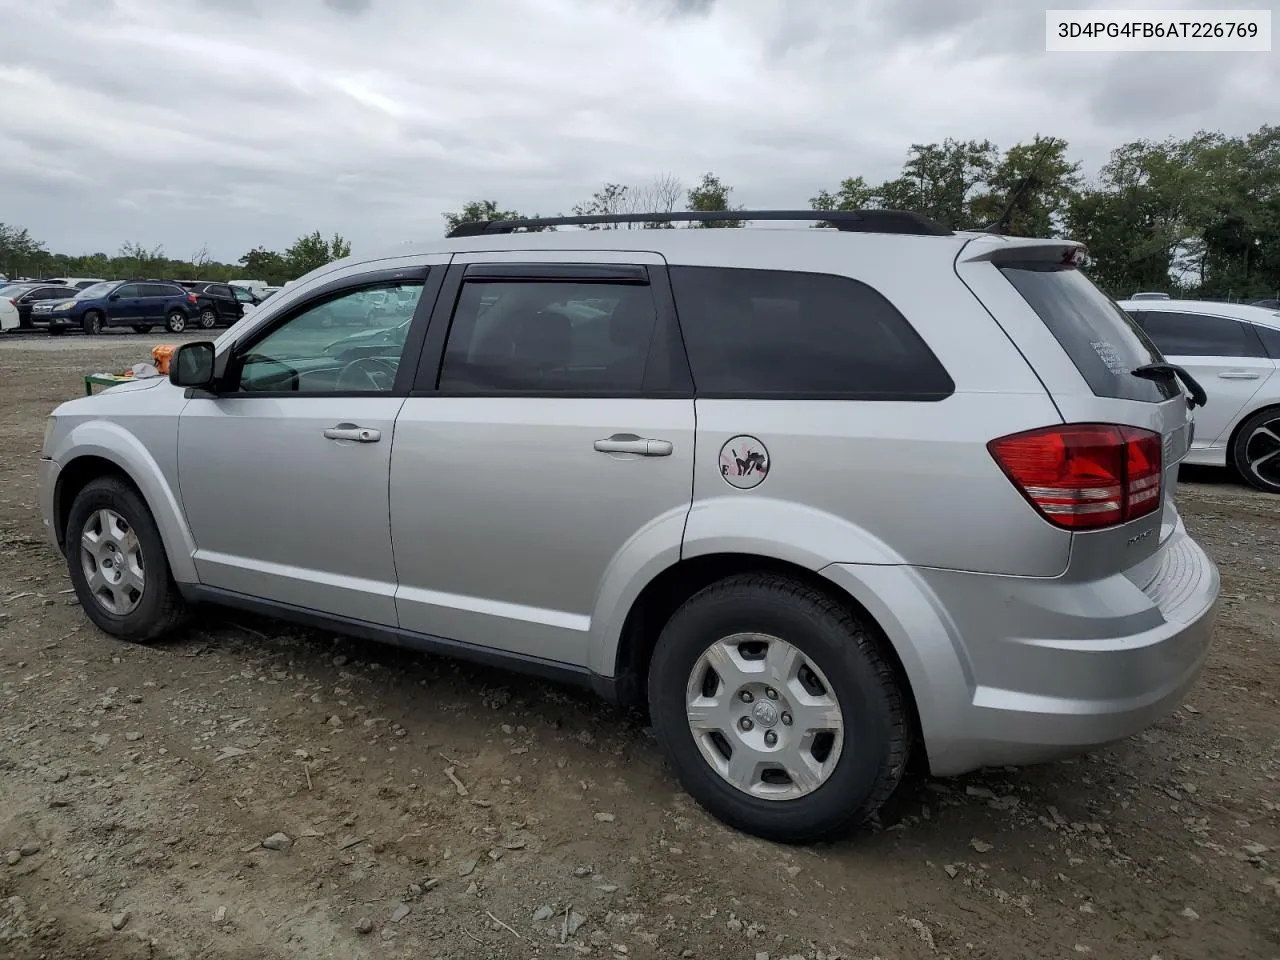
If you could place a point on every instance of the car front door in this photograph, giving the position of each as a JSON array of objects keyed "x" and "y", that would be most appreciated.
[
  {"x": 283, "y": 474},
  {"x": 124, "y": 304},
  {"x": 1224, "y": 355},
  {"x": 547, "y": 446},
  {"x": 243, "y": 299}
]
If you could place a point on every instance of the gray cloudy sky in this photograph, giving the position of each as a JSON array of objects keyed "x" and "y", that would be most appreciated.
[{"x": 246, "y": 122}]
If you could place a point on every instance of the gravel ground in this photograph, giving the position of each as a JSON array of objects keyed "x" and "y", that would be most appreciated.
[{"x": 257, "y": 790}]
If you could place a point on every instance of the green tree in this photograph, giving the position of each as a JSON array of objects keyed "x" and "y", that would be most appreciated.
[
  {"x": 853, "y": 194},
  {"x": 712, "y": 195},
  {"x": 312, "y": 251},
  {"x": 485, "y": 210},
  {"x": 940, "y": 180},
  {"x": 1051, "y": 180},
  {"x": 267, "y": 265},
  {"x": 610, "y": 200}
]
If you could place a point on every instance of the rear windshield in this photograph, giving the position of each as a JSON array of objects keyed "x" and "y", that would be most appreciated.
[{"x": 1103, "y": 341}]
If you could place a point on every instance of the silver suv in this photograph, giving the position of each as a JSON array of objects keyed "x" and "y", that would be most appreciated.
[{"x": 812, "y": 498}]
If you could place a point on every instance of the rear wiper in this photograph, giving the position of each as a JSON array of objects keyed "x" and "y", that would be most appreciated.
[{"x": 1151, "y": 371}]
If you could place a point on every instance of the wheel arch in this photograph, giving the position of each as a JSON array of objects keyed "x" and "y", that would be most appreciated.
[
  {"x": 665, "y": 592},
  {"x": 1274, "y": 407},
  {"x": 111, "y": 451}
]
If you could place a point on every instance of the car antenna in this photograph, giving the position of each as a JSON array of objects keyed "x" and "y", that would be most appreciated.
[{"x": 1000, "y": 223}]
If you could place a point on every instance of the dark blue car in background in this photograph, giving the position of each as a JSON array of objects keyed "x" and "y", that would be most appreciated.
[{"x": 140, "y": 304}]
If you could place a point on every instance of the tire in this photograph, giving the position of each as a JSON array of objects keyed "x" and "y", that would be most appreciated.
[
  {"x": 208, "y": 318},
  {"x": 142, "y": 328},
  {"x": 158, "y": 606},
  {"x": 92, "y": 323},
  {"x": 176, "y": 321},
  {"x": 861, "y": 771},
  {"x": 1254, "y": 455}
]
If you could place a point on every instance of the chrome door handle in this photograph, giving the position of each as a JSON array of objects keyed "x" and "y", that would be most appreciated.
[
  {"x": 349, "y": 431},
  {"x": 630, "y": 443},
  {"x": 1238, "y": 375}
]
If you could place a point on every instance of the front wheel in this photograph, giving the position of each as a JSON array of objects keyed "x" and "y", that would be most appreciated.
[
  {"x": 117, "y": 563},
  {"x": 208, "y": 319},
  {"x": 176, "y": 322},
  {"x": 142, "y": 328},
  {"x": 1256, "y": 450},
  {"x": 92, "y": 323},
  {"x": 777, "y": 710}
]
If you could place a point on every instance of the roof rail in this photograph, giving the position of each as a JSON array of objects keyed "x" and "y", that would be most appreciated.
[{"x": 852, "y": 221}]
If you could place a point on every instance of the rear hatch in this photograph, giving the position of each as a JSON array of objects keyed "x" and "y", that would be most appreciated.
[{"x": 1085, "y": 350}]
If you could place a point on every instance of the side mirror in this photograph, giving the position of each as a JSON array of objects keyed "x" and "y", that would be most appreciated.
[
  {"x": 192, "y": 365},
  {"x": 114, "y": 296}
]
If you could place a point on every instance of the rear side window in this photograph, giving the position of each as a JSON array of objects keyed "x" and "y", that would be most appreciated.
[
  {"x": 1105, "y": 343},
  {"x": 792, "y": 335},
  {"x": 1200, "y": 335},
  {"x": 1270, "y": 340}
]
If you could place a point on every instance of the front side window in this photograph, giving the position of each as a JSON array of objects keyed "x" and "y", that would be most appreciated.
[
  {"x": 334, "y": 346},
  {"x": 1200, "y": 335},
  {"x": 243, "y": 295},
  {"x": 549, "y": 337},
  {"x": 129, "y": 290},
  {"x": 789, "y": 334}
]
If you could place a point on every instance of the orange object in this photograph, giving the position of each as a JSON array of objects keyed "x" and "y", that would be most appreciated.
[{"x": 160, "y": 354}]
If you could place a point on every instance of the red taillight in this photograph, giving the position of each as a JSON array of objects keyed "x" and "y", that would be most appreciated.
[
  {"x": 12, "y": 302},
  {"x": 1083, "y": 476},
  {"x": 192, "y": 298}
]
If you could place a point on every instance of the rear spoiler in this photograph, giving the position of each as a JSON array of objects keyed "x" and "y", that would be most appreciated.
[{"x": 998, "y": 249}]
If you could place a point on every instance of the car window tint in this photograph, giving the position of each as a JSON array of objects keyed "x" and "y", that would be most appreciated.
[
  {"x": 554, "y": 336},
  {"x": 160, "y": 290},
  {"x": 217, "y": 290},
  {"x": 128, "y": 290},
  {"x": 1201, "y": 335},
  {"x": 1270, "y": 338},
  {"x": 335, "y": 345},
  {"x": 789, "y": 334},
  {"x": 242, "y": 294},
  {"x": 1103, "y": 342}
]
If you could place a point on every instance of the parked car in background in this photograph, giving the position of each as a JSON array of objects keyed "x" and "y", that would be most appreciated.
[
  {"x": 256, "y": 287},
  {"x": 8, "y": 315},
  {"x": 1232, "y": 349},
  {"x": 229, "y": 301},
  {"x": 1150, "y": 296},
  {"x": 1269, "y": 304},
  {"x": 78, "y": 282},
  {"x": 140, "y": 304},
  {"x": 810, "y": 498},
  {"x": 24, "y": 296}
]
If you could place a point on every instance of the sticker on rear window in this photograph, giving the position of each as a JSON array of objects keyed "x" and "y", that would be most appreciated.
[{"x": 1109, "y": 355}]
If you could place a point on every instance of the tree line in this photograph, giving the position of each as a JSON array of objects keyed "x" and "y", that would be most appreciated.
[
  {"x": 1197, "y": 217},
  {"x": 1192, "y": 217},
  {"x": 21, "y": 255}
]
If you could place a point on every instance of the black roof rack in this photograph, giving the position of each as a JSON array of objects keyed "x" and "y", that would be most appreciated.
[{"x": 854, "y": 221}]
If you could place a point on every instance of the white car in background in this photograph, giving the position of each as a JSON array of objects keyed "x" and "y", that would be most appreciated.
[
  {"x": 1233, "y": 350},
  {"x": 9, "y": 319}
]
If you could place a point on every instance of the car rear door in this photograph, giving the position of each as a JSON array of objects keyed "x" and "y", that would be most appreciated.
[
  {"x": 546, "y": 451},
  {"x": 1225, "y": 355}
]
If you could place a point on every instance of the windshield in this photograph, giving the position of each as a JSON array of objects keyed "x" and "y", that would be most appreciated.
[
  {"x": 97, "y": 290},
  {"x": 15, "y": 289}
]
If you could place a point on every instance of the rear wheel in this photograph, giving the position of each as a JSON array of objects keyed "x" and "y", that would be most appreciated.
[
  {"x": 1256, "y": 450},
  {"x": 777, "y": 709},
  {"x": 142, "y": 328},
  {"x": 176, "y": 321},
  {"x": 208, "y": 318},
  {"x": 117, "y": 563},
  {"x": 92, "y": 323}
]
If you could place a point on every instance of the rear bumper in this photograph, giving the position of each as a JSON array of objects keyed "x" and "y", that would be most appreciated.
[{"x": 1049, "y": 668}]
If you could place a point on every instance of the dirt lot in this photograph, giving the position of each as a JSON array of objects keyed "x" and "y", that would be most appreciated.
[{"x": 439, "y": 810}]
